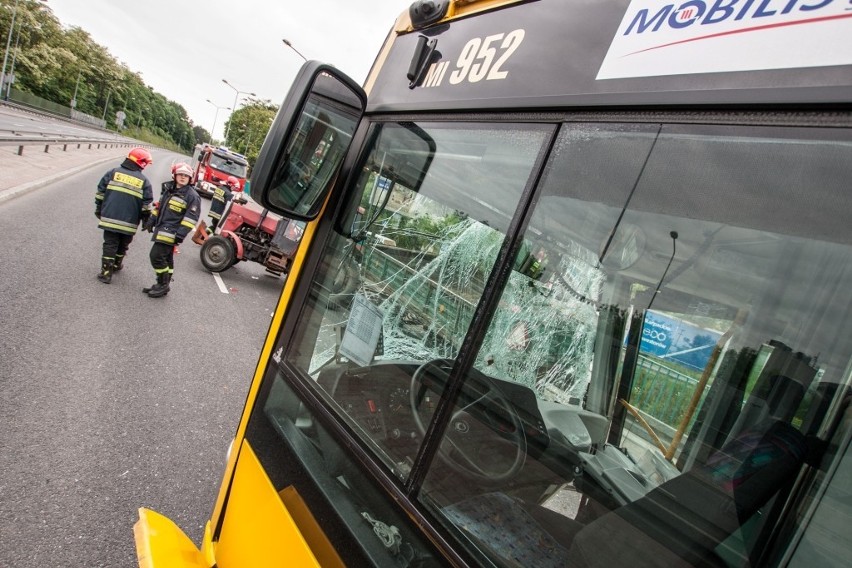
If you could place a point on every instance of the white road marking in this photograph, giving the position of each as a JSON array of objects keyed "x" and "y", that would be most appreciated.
[{"x": 220, "y": 284}]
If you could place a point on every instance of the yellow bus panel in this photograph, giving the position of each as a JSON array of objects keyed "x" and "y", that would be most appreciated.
[
  {"x": 161, "y": 544},
  {"x": 259, "y": 530}
]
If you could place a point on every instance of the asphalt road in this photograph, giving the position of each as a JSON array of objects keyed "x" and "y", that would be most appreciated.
[{"x": 110, "y": 400}]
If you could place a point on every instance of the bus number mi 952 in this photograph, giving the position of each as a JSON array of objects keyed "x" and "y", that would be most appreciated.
[{"x": 480, "y": 58}]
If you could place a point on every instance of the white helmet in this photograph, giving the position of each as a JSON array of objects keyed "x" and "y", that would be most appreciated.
[{"x": 182, "y": 168}]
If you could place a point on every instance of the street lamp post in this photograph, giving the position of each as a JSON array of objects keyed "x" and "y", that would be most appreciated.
[
  {"x": 290, "y": 45},
  {"x": 215, "y": 117},
  {"x": 77, "y": 86},
  {"x": 12, "y": 70},
  {"x": 106, "y": 105},
  {"x": 3, "y": 82},
  {"x": 248, "y": 138},
  {"x": 8, "y": 45},
  {"x": 236, "y": 96},
  {"x": 126, "y": 109}
]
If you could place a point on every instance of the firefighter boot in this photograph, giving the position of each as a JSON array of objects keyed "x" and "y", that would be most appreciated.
[
  {"x": 155, "y": 286},
  {"x": 161, "y": 288},
  {"x": 119, "y": 258},
  {"x": 107, "y": 268}
]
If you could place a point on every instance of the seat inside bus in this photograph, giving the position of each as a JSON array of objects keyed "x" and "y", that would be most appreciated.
[{"x": 680, "y": 522}]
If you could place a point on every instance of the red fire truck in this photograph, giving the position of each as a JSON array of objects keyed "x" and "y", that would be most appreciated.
[{"x": 213, "y": 165}]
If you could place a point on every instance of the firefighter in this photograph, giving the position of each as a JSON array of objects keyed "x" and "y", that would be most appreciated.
[
  {"x": 221, "y": 196},
  {"x": 123, "y": 199},
  {"x": 176, "y": 215}
]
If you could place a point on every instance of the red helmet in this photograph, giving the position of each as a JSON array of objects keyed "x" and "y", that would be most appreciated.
[
  {"x": 181, "y": 168},
  {"x": 141, "y": 157},
  {"x": 233, "y": 181}
]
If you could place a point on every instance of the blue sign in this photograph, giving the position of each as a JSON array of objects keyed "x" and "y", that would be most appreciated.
[{"x": 676, "y": 340}]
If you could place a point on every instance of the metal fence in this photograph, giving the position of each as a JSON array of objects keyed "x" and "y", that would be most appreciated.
[
  {"x": 30, "y": 100},
  {"x": 661, "y": 391}
]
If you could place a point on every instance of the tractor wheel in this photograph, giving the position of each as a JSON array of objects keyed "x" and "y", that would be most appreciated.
[
  {"x": 217, "y": 254},
  {"x": 345, "y": 283}
]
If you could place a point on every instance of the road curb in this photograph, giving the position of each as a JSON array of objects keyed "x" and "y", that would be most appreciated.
[{"x": 18, "y": 190}]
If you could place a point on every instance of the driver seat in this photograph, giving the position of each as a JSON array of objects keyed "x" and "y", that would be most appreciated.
[{"x": 681, "y": 522}]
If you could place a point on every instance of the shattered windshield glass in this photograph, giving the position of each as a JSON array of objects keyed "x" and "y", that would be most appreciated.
[{"x": 581, "y": 343}]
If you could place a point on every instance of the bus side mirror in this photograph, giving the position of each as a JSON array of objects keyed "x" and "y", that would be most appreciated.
[{"x": 308, "y": 141}]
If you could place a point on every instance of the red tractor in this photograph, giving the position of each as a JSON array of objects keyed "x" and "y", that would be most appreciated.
[{"x": 249, "y": 232}]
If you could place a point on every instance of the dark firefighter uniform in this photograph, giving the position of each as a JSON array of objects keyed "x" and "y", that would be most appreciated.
[
  {"x": 123, "y": 199},
  {"x": 221, "y": 196},
  {"x": 176, "y": 215}
]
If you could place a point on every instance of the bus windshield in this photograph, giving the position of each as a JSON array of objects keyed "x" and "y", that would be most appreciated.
[{"x": 560, "y": 347}]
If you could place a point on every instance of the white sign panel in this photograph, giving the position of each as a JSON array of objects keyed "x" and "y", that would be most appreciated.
[
  {"x": 658, "y": 38},
  {"x": 362, "y": 331}
]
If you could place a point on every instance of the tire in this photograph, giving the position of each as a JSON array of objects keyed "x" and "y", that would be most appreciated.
[
  {"x": 217, "y": 254},
  {"x": 345, "y": 283}
]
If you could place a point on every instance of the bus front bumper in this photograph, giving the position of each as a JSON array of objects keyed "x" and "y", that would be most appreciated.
[{"x": 161, "y": 544}]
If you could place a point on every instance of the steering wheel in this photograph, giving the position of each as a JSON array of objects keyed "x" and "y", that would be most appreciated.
[{"x": 486, "y": 420}]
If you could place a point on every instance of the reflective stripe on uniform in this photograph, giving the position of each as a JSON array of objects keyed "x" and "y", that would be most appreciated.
[
  {"x": 164, "y": 237},
  {"x": 187, "y": 223},
  {"x": 122, "y": 189},
  {"x": 177, "y": 204},
  {"x": 159, "y": 271},
  {"x": 214, "y": 215},
  {"x": 117, "y": 225}
]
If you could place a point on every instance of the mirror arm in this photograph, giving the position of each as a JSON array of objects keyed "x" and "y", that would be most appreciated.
[{"x": 420, "y": 61}]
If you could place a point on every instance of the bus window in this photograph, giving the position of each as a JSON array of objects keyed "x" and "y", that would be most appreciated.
[
  {"x": 403, "y": 292},
  {"x": 708, "y": 333}
]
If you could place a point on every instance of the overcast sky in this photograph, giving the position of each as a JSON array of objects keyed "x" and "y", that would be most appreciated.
[{"x": 183, "y": 49}]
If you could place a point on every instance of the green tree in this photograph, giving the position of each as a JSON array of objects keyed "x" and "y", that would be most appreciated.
[
  {"x": 247, "y": 127},
  {"x": 201, "y": 135},
  {"x": 53, "y": 62}
]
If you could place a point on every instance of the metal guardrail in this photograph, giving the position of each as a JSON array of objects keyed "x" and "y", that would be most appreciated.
[
  {"x": 24, "y": 138},
  {"x": 48, "y": 141},
  {"x": 94, "y": 139}
]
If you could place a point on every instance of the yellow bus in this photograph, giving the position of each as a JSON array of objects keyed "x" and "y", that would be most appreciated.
[{"x": 573, "y": 290}]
